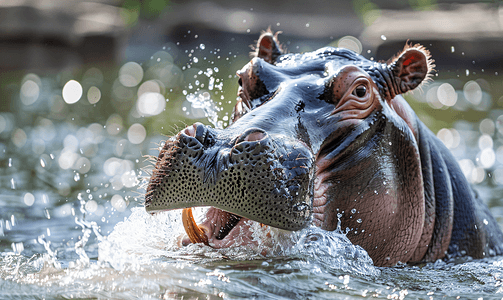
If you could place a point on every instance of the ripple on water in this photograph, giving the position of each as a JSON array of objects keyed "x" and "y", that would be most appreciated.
[
  {"x": 141, "y": 258},
  {"x": 135, "y": 260}
]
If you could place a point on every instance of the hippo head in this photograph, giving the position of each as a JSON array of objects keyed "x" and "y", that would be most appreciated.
[{"x": 316, "y": 138}]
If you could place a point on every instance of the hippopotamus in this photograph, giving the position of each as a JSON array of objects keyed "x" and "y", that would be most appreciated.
[{"x": 325, "y": 138}]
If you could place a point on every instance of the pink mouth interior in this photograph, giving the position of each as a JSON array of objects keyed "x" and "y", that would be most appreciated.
[{"x": 224, "y": 229}]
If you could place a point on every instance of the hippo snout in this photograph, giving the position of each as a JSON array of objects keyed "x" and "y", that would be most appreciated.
[{"x": 247, "y": 173}]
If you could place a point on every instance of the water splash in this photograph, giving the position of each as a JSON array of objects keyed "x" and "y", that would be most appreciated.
[
  {"x": 203, "y": 101},
  {"x": 134, "y": 240}
]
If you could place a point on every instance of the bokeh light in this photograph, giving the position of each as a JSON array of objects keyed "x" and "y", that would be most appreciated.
[
  {"x": 28, "y": 199},
  {"x": 95, "y": 133},
  {"x": 91, "y": 206},
  {"x": 129, "y": 179},
  {"x": 38, "y": 146},
  {"x": 498, "y": 176},
  {"x": 447, "y": 95},
  {"x": 67, "y": 158},
  {"x": 136, "y": 133},
  {"x": 151, "y": 104},
  {"x": 485, "y": 141},
  {"x": 118, "y": 203},
  {"x": 70, "y": 143},
  {"x": 72, "y": 92},
  {"x": 487, "y": 126},
  {"x": 351, "y": 43},
  {"x": 472, "y": 92},
  {"x": 130, "y": 74},
  {"x": 150, "y": 86},
  {"x": 450, "y": 137},
  {"x": 45, "y": 129},
  {"x": 29, "y": 92},
  {"x": 116, "y": 166},
  {"x": 120, "y": 147},
  {"x": 83, "y": 165},
  {"x": 432, "y": 97},
  {"x": 93, "y": 95},
  {"x": 19, "y": 137},
  {"x": 486, "y": 158},
  {"x": 114, "y": 124}
]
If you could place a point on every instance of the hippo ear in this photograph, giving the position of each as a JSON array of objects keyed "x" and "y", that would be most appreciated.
[
  {"x": 411, "y": 67},
  {"x": 268, "y": 47}
]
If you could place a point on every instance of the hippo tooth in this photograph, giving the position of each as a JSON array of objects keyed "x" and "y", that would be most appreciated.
[{"x": 196, "y": 233}]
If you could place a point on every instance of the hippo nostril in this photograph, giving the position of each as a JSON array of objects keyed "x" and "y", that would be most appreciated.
[
  {"x": 252, "y": 135},
  {"x": 197, "y": 130},
  {"x": 255, "y": 136},
  {"x": 190, "y": 130},
  {"x": 200, "y": 132}
]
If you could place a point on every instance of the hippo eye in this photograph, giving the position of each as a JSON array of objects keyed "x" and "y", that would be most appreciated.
[{"x": 360, "y": 91}]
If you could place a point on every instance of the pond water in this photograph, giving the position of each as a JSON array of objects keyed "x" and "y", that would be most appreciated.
[{"x": 73, "y": 168}]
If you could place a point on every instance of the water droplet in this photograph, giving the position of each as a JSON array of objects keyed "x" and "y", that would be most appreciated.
[
  {"x": 452, "y": 49},
  {"x": 353, "y": 210},
  {"x": 375, "y": 192},
  {"x": 29, "y": 199},
  {"x": 359, "y": 221},
  {"x": 383, "y": 37},
  {"x": 12, "y": 184},
  {"x": 47, "y": 214},
  {"x": 195, "y": 59},
  {"x": 76, "y": 177}
]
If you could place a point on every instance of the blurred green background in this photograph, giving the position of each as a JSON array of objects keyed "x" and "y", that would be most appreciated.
[
  {"x": 146, "y": 69},
  {"x": 89, "y": 41}
]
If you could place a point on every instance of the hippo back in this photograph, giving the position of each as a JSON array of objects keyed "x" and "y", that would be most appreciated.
[{"x": 463, "y": 224}]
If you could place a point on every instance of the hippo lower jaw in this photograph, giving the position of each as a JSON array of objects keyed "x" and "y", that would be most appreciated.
[{"x": 220, "y": 229}]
